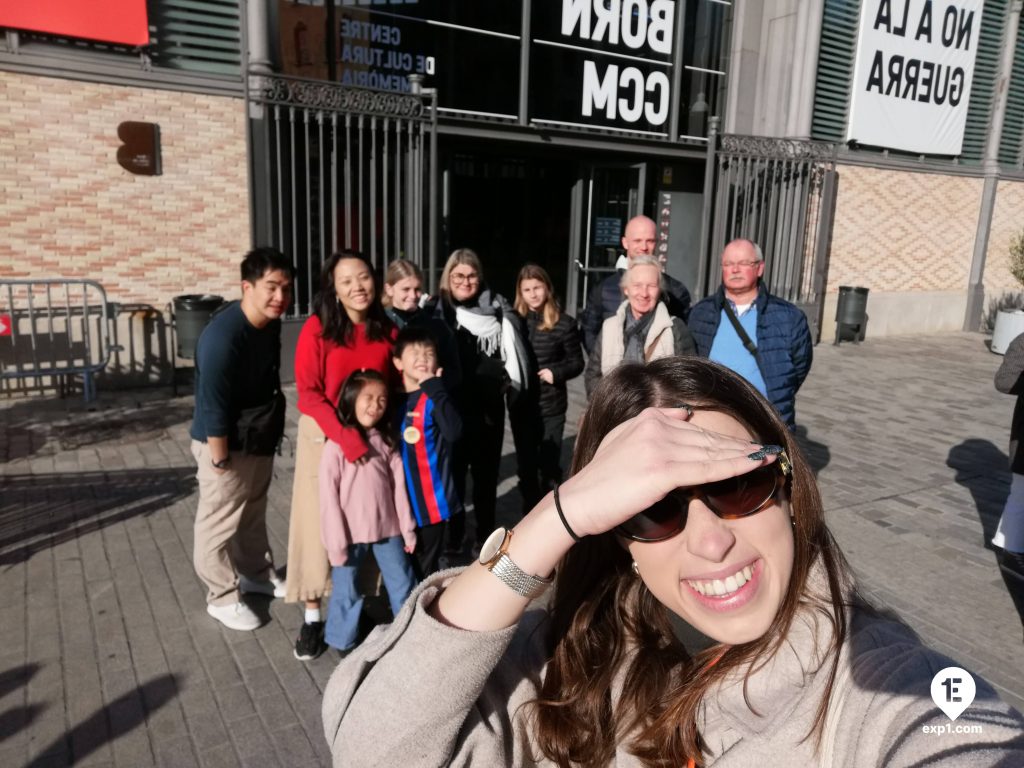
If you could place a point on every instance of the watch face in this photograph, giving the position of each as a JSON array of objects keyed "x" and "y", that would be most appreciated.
[{"x": 492, "y": 545}]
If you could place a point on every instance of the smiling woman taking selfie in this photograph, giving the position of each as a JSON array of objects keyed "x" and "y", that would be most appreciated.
[{"x": 702, "y": 614}]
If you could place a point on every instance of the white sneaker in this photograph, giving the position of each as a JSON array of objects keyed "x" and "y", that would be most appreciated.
[
  {"x": 273, "y": 586},
  {"x": 235, "y": 616}
]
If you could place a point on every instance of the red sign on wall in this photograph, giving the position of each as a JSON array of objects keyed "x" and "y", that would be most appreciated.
[
  {"x": 112, "y": 21},
  {"x": 5, "y": 325}
]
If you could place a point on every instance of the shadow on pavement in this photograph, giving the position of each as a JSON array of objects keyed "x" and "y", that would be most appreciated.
[
  {"x": 48, "y": 426},
  {"x": 983, "y": 469},
  {"x": 120, "y": 716},
  {"x": 17, "y": 718},
  {"x": 40, "y": 511},
  {"x": 818, "y": 454}
]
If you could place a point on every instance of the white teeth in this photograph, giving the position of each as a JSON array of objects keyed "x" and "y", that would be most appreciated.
[{"x": 720, "y": 587}]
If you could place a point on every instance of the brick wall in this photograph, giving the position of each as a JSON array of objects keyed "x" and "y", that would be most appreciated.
[
  {"x": 69, "y": 210},
  {"x": 903, "y": 231}
]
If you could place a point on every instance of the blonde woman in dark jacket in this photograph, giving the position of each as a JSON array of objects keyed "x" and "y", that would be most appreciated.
[
  {"x": 555, "y": 342},
  {"x": 702, "y": 614}
]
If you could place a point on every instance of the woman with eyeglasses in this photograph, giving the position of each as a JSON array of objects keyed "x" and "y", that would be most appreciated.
[
  {"x": 701, "y": 614},
  {"x": 495, "y": 366}
]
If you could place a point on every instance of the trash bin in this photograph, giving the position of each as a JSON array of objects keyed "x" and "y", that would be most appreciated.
[
  {"x": 851, "y": 313},
  {"x": 191, "y": 314}
]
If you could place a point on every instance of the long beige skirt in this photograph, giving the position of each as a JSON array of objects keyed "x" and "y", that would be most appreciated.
[{"x": 309, "y": 572}]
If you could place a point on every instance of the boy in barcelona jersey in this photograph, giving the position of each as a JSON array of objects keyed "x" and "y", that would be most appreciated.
[{"x": 429, "y": 425}]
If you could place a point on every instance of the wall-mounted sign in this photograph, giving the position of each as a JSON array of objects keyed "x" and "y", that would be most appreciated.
[
  {"x": 607, "y": 231},
  {"x": 913, "y": 73},
  {"x": 612, "y": 62},
  {"x": 140, "y": 151},
  {"x": 112, "y": 21},
  {"x": 605, "y": 64},
  {"x": 467, "y": 49}
]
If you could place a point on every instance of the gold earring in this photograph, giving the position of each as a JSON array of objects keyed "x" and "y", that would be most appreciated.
[{"x": 636, "y": 569}]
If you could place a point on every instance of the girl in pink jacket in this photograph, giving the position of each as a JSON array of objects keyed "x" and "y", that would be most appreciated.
[{"x": 364, "y": 506}]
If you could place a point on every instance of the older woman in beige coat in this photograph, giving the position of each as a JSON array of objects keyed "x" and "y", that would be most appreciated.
[{"x": 642, "y": 329}]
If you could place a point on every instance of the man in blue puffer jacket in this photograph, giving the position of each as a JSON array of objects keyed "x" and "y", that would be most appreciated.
[{"x": 775, "y": 328}]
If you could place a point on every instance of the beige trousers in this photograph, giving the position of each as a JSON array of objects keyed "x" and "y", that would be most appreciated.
[
  {"x": 231, "y": 523},
  {"x": 309, "y": 572}
]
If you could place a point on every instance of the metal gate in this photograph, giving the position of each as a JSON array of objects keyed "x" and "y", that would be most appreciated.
[
  {"x": 781, "y": 194},
  {"x": 338, "y": 167}
]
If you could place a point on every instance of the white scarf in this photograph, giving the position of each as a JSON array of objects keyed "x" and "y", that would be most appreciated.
[{"x": 492, "y": 335}]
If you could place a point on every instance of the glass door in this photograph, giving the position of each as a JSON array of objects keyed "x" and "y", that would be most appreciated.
[{"x": 604, "y": 198}]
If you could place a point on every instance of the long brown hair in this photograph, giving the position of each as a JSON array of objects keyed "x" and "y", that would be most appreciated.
[
  {"x": 603, "y": 617},
  {"x": 550, "y": 314}
]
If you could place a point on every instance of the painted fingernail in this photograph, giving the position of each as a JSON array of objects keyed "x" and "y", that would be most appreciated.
[
  {"x": 686, "y": 407},
  {"x": 757, "y": 455},
  {"x": 773, "y": 450}
]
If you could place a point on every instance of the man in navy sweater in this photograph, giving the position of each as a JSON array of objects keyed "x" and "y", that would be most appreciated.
[
  {"x": 238, "y": 421},
  {"x": 778, "y": 357}
]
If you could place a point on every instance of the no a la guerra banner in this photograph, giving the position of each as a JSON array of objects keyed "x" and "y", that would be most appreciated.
[{"x": 913, "y": 73}]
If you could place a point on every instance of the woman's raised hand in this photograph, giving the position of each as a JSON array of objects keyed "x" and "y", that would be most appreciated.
[{"x": 642, "y": 460}]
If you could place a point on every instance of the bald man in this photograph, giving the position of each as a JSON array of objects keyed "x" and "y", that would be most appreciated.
[{"x": 605, "y": 298}]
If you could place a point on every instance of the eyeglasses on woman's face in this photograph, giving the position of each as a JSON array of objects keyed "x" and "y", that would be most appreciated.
[
  {"x": 465, "y": 278},
  {"x": 730, "y": 499}
]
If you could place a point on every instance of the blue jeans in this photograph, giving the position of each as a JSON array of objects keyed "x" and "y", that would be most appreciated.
[{"x": 345, "y": 604}]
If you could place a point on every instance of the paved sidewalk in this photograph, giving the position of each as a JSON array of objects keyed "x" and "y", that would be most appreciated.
[{"x": 107, "y": 656}]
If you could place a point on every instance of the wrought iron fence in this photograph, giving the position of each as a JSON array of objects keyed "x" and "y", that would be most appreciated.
[
  {"x": 343, "y": 168},
  {"x": 781, "y": 194}
]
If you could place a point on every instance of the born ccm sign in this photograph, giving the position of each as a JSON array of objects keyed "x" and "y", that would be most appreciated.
[
  {"x": 913, "y": 73},
  {"x": 614, "y": 88}
]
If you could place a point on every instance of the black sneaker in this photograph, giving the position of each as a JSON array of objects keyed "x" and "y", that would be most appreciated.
[{"x": 311, "y": 641}]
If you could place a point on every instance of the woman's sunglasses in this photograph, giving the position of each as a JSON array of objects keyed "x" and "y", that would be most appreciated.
[{"x": 730, "y": 499}]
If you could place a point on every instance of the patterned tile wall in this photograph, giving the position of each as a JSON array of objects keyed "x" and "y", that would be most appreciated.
[{"x": 903, "y": 231}]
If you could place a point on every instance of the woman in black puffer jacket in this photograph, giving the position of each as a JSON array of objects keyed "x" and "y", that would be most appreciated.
[{"x": 555, "y": 342}]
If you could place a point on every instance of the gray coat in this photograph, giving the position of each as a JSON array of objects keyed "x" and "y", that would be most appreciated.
[
  {"x": 1010, "y": 382},
  {"x": 420, "y": 693}
]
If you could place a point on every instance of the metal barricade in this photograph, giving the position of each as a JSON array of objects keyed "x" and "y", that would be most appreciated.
[{"x": 54, "y": 328}]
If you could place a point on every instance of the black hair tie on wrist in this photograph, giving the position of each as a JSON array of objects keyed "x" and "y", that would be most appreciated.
[{"x": 561, "y": 516}]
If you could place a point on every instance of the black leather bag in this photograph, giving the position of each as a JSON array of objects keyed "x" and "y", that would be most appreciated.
[{"x": 260, "y": 428}]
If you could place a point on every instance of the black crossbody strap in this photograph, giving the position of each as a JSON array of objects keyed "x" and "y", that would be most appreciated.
[{"x": 751, "y": 346}]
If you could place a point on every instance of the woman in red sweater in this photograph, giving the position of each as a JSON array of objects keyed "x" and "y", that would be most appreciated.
[{"x": 347, "y": 331}]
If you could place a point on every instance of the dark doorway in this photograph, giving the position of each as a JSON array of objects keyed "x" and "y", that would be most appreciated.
[{"x": 512, "y": 206}]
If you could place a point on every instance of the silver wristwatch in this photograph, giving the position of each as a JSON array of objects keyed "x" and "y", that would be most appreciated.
[{"x": 494, "y": 557}]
